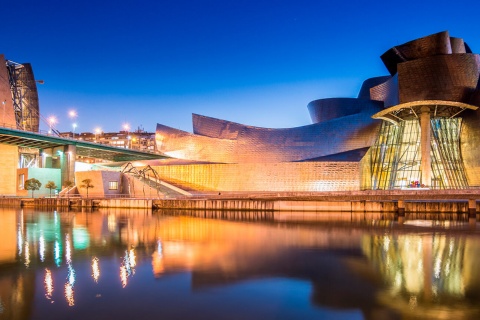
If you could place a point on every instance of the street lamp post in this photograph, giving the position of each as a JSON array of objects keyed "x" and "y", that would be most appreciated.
[
  {"x": 72, "y": 114},
  {"x": 51, "y": 122},
  {"x": 97, "y": 132},
  {"x": 126, "y": 127}
]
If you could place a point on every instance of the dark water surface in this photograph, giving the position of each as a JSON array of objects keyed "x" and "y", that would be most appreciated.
[{"x": 135, "y": 264}]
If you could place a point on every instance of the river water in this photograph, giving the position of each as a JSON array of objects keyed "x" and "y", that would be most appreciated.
[{"x": 138, "y": 264}]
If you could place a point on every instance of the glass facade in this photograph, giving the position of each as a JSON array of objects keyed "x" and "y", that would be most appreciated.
[{"x": 396, "y": 156}]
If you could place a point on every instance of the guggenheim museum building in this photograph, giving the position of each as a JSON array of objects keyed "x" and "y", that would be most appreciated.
[{"x": 417, "y": 126}]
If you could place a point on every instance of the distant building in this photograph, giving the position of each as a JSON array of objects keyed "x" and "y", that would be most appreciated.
[{"x": 136, "y": 140}]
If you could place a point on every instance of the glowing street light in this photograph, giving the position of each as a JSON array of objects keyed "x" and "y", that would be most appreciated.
[
  {"x": 97, "y": 132},
  {"x": 51, "y": 122},
  {"x": 126, "y": 127},
  {"x": 72, "y": 114},
  {"x": 74, "y": 125}
]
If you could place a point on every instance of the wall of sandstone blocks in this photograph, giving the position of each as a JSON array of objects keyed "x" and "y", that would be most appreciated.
[{"x": 288, "y": 176}]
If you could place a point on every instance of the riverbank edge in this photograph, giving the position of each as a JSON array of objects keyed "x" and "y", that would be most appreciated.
[{"x": 418, "y": 202}]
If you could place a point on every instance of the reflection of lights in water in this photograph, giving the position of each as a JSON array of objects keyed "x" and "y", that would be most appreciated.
[
  {"x": 95, "y": 269},
  {"x": 450, "y": 247},
  {"x": 159, "y": 248},
  {"x": 41, "y": 247},
  {"x": 127, "y": 268},
  {"x": 1, "y": 306},
  {"x": 20, "y": 241},
  {"x": 20, "y": 234},
  {"x": 123, "y": 276},
  {"x": 437, "y": 267},
  {"x": 412, "y": 303},
  {"x": 27, "y": 254},
  {"x": 419, "y": 245},
  {"x": 56, "y": 250},
  {"x": 69, "y": 294},
  {"x": 398, "y": 280},
  {"x": 112, "y": 223},
  {"x": 48, "y": 284},
  {"x": 447, "y": 267},
  {"x": 157, "y": 259},
  {"x": 386, "y": 243},
  {"x": 68, "y": 249},
  {"x": 419, "y": 223},
  {"x": 71, "y": 275},
  {"x": 435, "y": 290},
  {"x": 420, "y": 266},
  {"x": 131, "y": 258}
]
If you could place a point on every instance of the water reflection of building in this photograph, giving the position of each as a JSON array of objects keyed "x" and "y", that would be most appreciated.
[
  {"x": 426, "y": 271},
  {"x": 350, "y": 266}
]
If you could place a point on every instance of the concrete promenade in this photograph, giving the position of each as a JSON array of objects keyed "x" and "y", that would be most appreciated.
[{"x": 400, "y": 201}]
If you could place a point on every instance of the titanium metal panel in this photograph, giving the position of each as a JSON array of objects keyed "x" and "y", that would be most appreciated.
[
  {"x": 184, "y": 145},
  {"x": 386, "y": 92},
  {"x": 215, "y": 128},
  {"x": 7, "y": 116},
  {"x": 370, "y": 83},
  {"x": 448, "y": 77},
  {"x": 458, "y": 45},
  {"x": 323, "y": 110},
  {"x": 261, "y": 145},
  {"x": 432, "y": 45}
]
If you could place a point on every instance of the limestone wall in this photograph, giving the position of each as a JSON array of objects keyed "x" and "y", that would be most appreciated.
[
  {"x": 8, "y": 170},
  {"x": 287, "y": 176}
]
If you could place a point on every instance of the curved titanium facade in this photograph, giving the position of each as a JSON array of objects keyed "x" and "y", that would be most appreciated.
[
  {"x": 430, "y": 135},
  {"x": 215, "y": 128},
  {"x": 432, "y": 45},
  {"x": 386, "y": 92},
  {"x": 323, "y": 110},
  {"x": 253, "y": 144},
  {"x": 369, "y": 84},
  {"x": 451, "y": 77}
]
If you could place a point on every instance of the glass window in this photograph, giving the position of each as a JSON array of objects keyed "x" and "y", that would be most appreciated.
[{"x": 113, "y": 185}]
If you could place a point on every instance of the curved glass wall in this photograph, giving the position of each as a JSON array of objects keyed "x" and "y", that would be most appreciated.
[{"x": 396, "y": 155}]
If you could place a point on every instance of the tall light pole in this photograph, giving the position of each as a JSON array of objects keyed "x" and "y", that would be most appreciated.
[
  {"x": 51, "y": 122},
  {"x": 72, "y": 114},
  {"x": 97, "y": 132},
  {"x": 126, "y": 127}
]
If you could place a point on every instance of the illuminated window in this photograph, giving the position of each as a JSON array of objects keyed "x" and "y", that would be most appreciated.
[
  {"x": 396, "y": 155},
  {"x": 113, "y": 185}
]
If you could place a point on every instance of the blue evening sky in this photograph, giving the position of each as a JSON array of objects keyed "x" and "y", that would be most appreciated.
[{"x": 254, "y": 62}]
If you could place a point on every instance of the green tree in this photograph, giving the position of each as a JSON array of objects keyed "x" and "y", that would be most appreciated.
[
  {"x": 87, "y": 184},
  {"x": 32, "y": 184},
  {"x": 51, "y": 185}
]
